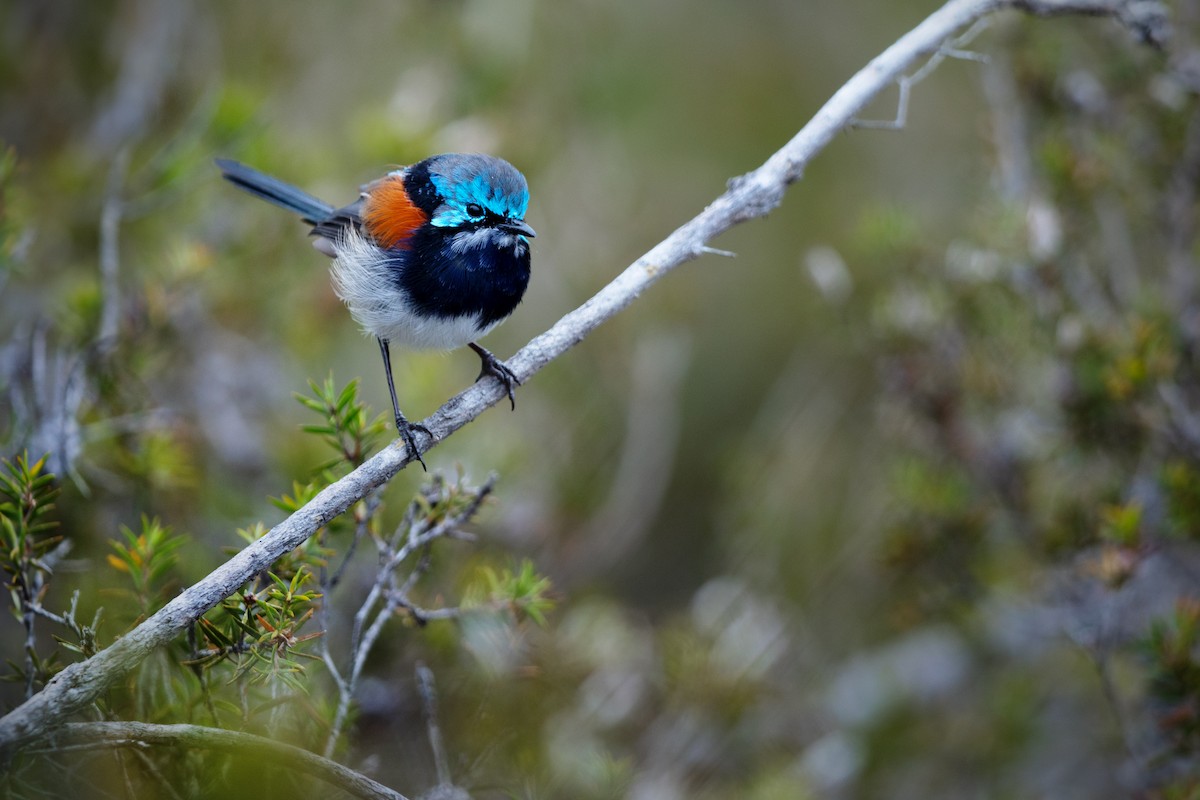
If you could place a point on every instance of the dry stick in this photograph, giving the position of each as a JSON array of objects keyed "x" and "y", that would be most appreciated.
[
  {"x": 748, "y": 197},
  {"x": 418, "y": 534},
  {"x": 138, "y": 735},
  {"x": 427, "y": 688}
]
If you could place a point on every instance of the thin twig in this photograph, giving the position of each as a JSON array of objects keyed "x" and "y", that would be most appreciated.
[
  {"x": 417, "y": 534},
  {"x": 907, "y": 82},
  {"x": 424, "y": 615},
  {"x": 371, "y": 506},
  {"x": 428, "y": 691},
  {"x": 236, "y": 743},
  {"x": 363, "y": 528}
]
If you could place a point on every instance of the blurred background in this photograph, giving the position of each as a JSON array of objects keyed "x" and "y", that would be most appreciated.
[{"x": 885, "y": 506}]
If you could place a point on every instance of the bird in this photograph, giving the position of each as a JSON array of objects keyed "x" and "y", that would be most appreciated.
[{"x": 430, "y": 256}]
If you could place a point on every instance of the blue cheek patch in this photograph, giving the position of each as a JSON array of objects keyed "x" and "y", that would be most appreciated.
[{"x": 448, "y": 216}]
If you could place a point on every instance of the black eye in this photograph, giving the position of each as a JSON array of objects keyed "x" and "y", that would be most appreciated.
[{"x": 474, "y": 210}]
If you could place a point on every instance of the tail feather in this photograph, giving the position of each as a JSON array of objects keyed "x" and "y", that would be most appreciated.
[{"x": 273, "y": 190}]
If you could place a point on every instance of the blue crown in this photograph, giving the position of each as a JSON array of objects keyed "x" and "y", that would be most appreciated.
[{"x": 464, "y": 179}]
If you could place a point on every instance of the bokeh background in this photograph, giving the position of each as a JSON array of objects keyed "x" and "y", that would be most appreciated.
[{"x": 837, "y": 517}]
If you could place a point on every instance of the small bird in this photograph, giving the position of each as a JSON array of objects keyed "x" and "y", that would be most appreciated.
[{"x": 430, "y": 256}]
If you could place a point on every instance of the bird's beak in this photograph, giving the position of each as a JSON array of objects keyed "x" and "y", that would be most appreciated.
[{"x": 517, "y": 226}]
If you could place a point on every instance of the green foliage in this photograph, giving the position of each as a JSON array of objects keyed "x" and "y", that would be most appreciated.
[
  {"x": 26, "y": 495},
  {"x": 1044, "y": 408},
  {"x": 440, "y": 500},
  {"x": 524, "y": 593},
  {"x": 27, "y": 491},
  {"x": 1173, "y": 652},
  {"x": 1181, "y": 482},
  {"x": 347, "y": 426},
  {"x": 148, "y": 558},
  {"x": 1122, "y": 524},
  {"x": 247, "y": 662},
  {"x": 259, "y": 631},
  {"x": 313, "y": 552},
  {"x": 1113, "y": 374}
]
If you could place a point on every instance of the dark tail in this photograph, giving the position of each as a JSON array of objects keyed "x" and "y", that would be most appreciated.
[{"x": 273, "y": 190}]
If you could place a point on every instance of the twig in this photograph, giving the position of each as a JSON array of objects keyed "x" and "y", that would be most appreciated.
[
  {"x": 428, "y": 692},
  {"x": 907, "y": 82},
  {"x": 25, "y": 592},
  {"x": 748, "y": 197},
  {"x": 371, "y": 506},
  {"x": 261, "y": 749},
  {"x": 416, "y": 533},
  {"x": 424, "y": 615}
]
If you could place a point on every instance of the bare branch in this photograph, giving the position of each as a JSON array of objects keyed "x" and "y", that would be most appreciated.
[
  {"x": 428, "y": 691},
  {"x": 415, "y": 532},
  {"x": 907, "y": 82},
  {"x": 747, "y": 197},
  {"x": 141, "y": 735},
  {"x": 110, "y": 256}
]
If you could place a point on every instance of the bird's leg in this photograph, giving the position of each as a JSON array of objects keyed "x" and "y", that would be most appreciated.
[
  {"x": 490, "y": 365},
  {"x": 405, "y": 428}
]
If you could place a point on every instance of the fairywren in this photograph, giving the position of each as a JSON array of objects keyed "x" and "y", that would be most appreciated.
[{"x": 432, "y": 256}]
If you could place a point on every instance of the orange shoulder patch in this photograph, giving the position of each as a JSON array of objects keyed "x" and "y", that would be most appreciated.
[{"x": 389, "y": 216}]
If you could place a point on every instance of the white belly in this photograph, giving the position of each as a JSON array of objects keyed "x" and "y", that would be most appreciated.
[
  {"x": 361, "y": 279},
  {"x": 401, "y": 327}
]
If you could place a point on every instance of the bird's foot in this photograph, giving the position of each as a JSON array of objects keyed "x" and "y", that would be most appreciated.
[
  {"x": 490, "y": 365},
  {"x": 408, "y": 431}
]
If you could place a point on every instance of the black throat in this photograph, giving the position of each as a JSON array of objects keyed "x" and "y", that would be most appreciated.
[{"x": 487, "y": 279}]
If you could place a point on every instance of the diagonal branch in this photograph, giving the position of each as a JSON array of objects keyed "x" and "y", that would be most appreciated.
[{"x": 747, "y": 197}]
